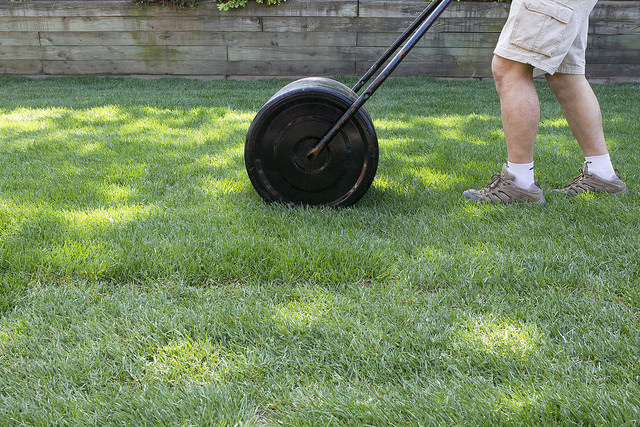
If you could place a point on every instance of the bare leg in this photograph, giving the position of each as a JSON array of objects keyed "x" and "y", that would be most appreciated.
[
  {"x": 582, "y": 111},
  {"x": 519, "y": 106},
  {"x": 520, "y": 109}
]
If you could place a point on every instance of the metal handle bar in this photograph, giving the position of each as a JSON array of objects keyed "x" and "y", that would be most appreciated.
[
  {"x": 392, "y": 49},
  {"x": 418, "y": 28}
]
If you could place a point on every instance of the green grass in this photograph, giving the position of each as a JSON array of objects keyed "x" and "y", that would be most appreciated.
[{"x": 144, "y": 282}]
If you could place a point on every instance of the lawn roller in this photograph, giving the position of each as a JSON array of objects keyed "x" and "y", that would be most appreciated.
[{"x": 314, "y": 143}]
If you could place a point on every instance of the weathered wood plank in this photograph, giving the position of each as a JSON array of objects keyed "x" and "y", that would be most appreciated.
[
  {"x": 115, "y": 67},
  {"x": 365, "y": 54},
  {"x": 612, "y": 56},
  {"x": 616, "y": 41},
  {"x": 619, "y": 26},
  {"x": 614, "y": 10},
  {"x": 432, "y": 39},
  {"x": 433, "y": 54},
  {"x": 195, "y": 38},
  {"x": 284, "y": 39},
  {"x": 20, "y": 66},
  {"x": 91, "y": 23},
  {"x": 198, "y": 68},
  {"x": 92, "y": 53},
  {"x": 307, "y": 8},
  {"x": 439, "y": 69},
  {"x": 489, "y": 40},
  {"x": 613, "y": 72},
  {"x": 411, "y": 9},
  {"x": 287, "y": 68},
  {"x": 335, "y": 8},
  {"x": 379, "y": 24},
  {"x": 12, "y": 38},
  {"x": 294, "y": 54},
  {"x": 39, "y": 9},
  {"x": 605, "y": 12},
  {"x": 457, "y": 25},
  {"x": 309, "y": 24}
]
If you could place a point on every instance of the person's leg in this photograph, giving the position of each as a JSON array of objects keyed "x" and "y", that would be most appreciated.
[
  {"x": 519, "y": 106},
  {"x": 582, "y": 111},
  {"x": 520, "y": 109}
]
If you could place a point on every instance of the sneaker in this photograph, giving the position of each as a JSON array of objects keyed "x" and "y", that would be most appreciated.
[
  {"x": 586, "y": 182},
  {"x": 503, "y": 189}
]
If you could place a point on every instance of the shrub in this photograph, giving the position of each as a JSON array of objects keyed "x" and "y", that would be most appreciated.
[
  {"x": 228, "y": 4},
  {"x": 222, "y": 4}
]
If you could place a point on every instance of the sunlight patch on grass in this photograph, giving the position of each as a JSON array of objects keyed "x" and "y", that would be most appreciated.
[
  {"x": 25, "y": 117},
  {"x": 381, "y": 181},
  {"x": 499, "y": 337},
  {"x": 431, "y": 252},
  {"x": 477, "y": 210},
  {"x": 223, "y": 160},
  {"x": 221, "y": 187},
  {"x": 517, "y": 403},
  {"x": 155, "y": 122},
  {"x": 187, "y": 127},
  {"x": 431, "y": 178},
  {"x": 13, "y": 215},
  {"x": 116, "y": 193},
  {"x": 98, "y": 218},
  {"x": 613, "y": 144},
  {"x": 587, "y": 196},
  {"x": 12, "y": 332},
  {"x": 87, "y": 258},
  {"x": 456, "y": 127},
  {"x": 497, "y": 133},
  {"x": 65, "y": 121},
  {"x": 230, "y": 122},
  {"x": 90, "y": 148},
  {"x": 301, "y": 314},
  {"x": 390, "y": 125},
  {"x": 189, "y": 361},
  {"x": 19, "y": 126},
  {"x": 556, "y": 123},
  {"x": 393, "y": 143},
  {"x": 237, "y": 117},
  {"x": 107, "y": 113},
  {"x": 462, "y": 128}
]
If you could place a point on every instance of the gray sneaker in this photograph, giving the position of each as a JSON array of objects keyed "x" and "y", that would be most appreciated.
[
  {"x": 586, "y": 182},
  {"x": 503, "y": 189}
]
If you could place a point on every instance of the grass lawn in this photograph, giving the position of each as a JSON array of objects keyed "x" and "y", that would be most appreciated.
[{"x": 144, "y": 282}]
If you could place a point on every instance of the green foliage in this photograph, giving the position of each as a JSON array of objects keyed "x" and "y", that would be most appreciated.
[
  {"x": 230, "y": 4},
  {"x": 222, "y": 4}
]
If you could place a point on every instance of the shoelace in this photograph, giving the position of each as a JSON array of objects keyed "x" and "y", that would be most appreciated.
[
  {"x": 578, "y": 178},
  {"x": 495, "y": 180}
]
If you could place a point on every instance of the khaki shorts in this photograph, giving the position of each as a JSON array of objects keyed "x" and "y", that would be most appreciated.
[{"x": 550, "y": 35}]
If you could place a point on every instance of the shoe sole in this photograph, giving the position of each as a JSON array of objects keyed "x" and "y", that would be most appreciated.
[
  {"x": 470, "y": 196},
  {"x": 617, "y": 194}
]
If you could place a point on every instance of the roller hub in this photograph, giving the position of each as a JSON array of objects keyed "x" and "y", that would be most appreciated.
[{"x": 290, "y": 125}]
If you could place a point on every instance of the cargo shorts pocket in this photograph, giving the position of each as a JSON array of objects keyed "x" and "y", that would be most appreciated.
[{"x": 541, "y": 25}]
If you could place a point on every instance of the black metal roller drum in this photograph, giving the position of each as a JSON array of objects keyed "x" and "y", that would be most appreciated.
[{"x": 290, "y": 125}]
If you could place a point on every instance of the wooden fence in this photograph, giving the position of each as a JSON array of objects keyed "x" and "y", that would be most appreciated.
[{"x": 297, "y": 38}]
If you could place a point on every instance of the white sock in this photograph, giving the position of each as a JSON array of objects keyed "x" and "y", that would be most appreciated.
[
  {"x": 601, "y": 166},
  {"x": 523, "y": 173}
]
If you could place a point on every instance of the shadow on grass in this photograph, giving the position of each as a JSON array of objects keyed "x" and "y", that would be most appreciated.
[
  {"x": 140, "y": 180},
  {"x": 411, "y": 305}
]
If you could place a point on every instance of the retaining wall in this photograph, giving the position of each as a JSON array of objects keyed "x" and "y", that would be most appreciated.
[{"x": 296, "y": 38}]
